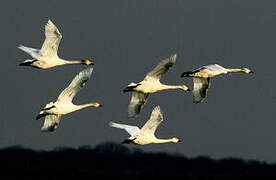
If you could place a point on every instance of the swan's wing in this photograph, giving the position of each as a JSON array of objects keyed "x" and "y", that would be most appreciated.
[
  {"x": 151, "y": 125},
  {"x": 201, "y": 86},
  {"x": 51, "y": 122},
  {"x": 162, "y": 68},
  {"x": 137, "y": 102},
  {"x": 31, "y": 51},
  {"x": 52, "y": 40},
  {"x": 215, "y": 67},
  {"x": 132, "y": 130},
  {"x": 77, "y": 83}
]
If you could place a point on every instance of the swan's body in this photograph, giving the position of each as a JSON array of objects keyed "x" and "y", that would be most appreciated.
[
  {"x": 150, "y": 84},
  {"x": 201, "y": 78},
  {"x": 47, "y": 57},
  {"x": 63, "y": 105},
  {"x": 146, "y": 135}
]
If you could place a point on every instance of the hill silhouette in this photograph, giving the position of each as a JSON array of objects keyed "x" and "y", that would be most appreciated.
[{"x": 115, "y": 160}]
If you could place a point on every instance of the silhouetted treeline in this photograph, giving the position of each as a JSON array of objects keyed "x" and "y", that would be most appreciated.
[{"x": 110, "y": 159}]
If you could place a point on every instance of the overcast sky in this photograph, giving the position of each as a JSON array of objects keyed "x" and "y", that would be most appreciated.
[{"x": 127, "y": 39}]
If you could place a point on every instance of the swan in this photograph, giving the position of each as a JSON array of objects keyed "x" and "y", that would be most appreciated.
[
  {"x": 47, "y": 56},
  {"x": 150, "y": 84},
  {"x": 145, "y": 135},
  {"x": 63, "y": 105},
  {"x": 201, "y": 78}
]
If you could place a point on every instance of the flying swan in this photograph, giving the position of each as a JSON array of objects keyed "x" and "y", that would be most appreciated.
[
  {"x": 150, "y": 84},
  {"x": 201, "y": 78},
  {"x": 47, "y": 57},
  {"x": 146, "y": 135},
  {"x": 63, "y": 105}
]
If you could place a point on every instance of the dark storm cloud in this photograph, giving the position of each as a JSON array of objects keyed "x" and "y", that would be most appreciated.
[{"x": 127, "y": 39}]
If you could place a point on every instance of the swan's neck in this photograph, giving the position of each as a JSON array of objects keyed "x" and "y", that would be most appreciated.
[
  {"x": 65, "y": 107},
  {"x": 159, "y": 141},
  {"x": 83, "y": 106},
  {"x": 164, "y": 87},
  {"x": 144, "y": 141},
  {"x": 78, "y": 107},
  {"x": 234, "y": 70},
  {"x": 71, "y": 62},
  {"x": 92, "y": 104}
]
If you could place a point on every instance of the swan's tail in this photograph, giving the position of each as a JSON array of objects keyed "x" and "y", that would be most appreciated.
[
  {"x": 31, "y": 51},
  {"x": 187, "y": 74},
  {"x": 127, "y": 141},
  {"x": 27, "y": 62},
  {"x": 40, "y": 116}
]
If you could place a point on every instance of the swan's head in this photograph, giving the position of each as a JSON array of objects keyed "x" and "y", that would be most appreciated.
[
  {"x": 184, "y": 88},
  {"x": 131, "y": 86},
  {"x": 247, "y": 70},
  {"x": 176, "y": 140},
  {"x": 95, "y": 104},
  {"x": 87, "y": 62}
]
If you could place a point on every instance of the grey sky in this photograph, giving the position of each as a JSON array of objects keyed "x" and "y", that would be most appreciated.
[{"x": 127, "y": 39}]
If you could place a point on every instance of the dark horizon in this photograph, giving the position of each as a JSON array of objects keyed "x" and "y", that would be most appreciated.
[
  {"x": 131, "y": 148},
  {"x": 111, "y": 159}
]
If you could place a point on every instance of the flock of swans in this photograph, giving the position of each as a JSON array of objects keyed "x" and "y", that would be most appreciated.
[{"x": 47, "y": 57}]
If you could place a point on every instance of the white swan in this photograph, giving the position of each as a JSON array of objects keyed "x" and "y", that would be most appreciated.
[
  {"x": 63, "y": 105},
  {"x": 150, "y": 84},
  {"x": 146, "y": 135},
  {"x": 201, "y": 78},
  {"x": 47, "y": 56}
]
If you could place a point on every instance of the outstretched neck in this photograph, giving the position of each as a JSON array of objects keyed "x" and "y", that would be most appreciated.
[
  {"x": 181, "y": 87},
  {"x": 159, "y": 141},
  {"x": 86, "y": 62},
  {"x": 77, "y": 107},
  {"x": 71, "y": 62},
  {"x": 92, "y": 104},
  {"x": 234, "y": 70},
  {"x": 81, "y": 106}
]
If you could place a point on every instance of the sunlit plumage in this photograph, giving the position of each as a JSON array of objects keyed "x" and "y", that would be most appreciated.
[
  {"x": 201, "y": 78},
  {"x": 63, "y": 105},
  {"x": 145, "y": 135},
  {"x": 47, "y": 57},
  {"x": 150, "y": 84}
]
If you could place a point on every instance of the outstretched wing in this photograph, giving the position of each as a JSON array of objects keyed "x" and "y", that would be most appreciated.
[
  {"x": 137, "y": 102},
  {"x": 162, "y": 68},
  {"x": 51, "y": 122},
  {"x": 151, "y": 125},
  {"x": 77, "y": 83},
  {"x": 215, "y": 67},
  {"x": 31, "y": 51},
  {"x": 52, "y": 40},
  {"x": 201, "y": 86},
  {"x": 132, "y": 130}
]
